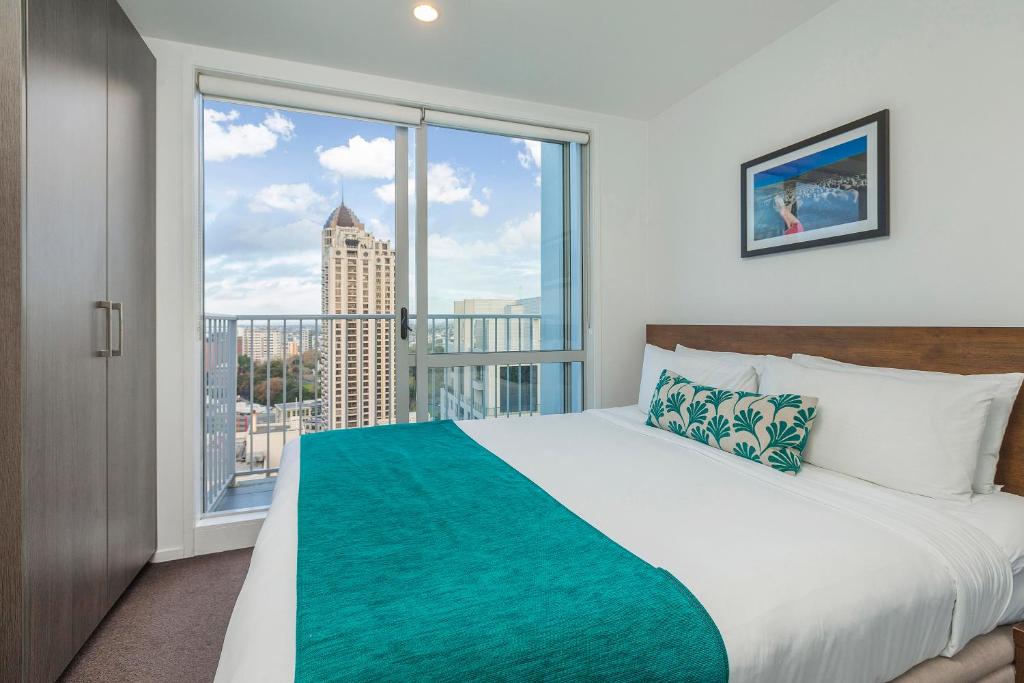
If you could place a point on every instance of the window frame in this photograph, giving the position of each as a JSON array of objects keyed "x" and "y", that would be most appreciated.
[{"x": 193, "y": 242}]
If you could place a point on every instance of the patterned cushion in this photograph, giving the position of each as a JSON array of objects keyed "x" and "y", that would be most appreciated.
[{"x": 771, "y": 430}]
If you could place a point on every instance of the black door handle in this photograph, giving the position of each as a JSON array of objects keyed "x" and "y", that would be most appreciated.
[{"x": 404, "y": 323}]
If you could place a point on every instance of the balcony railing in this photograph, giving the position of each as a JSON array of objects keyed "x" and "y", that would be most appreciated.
[
  {"x": 475, "y": 332},
  {"x": 270, "y": 379}
]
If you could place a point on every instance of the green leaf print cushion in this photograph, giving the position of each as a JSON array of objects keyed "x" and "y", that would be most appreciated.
[{"x": 771, "y": 430}]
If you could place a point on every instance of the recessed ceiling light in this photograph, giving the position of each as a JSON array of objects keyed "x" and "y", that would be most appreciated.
[{"x": 425, "y": 13}]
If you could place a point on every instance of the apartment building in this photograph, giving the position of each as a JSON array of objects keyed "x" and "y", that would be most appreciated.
[{"x": 358, "y": 277}]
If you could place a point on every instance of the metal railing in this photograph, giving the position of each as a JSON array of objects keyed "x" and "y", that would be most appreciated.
[
  {"x": 268, "y": 379},
  {"x": 477, "y": 332},
  {"x": 219, "y": 380}
]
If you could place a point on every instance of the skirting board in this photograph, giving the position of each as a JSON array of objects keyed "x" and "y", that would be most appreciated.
[
  {"x": 168, "y": 554},
  {"x": 217, "y": 534}
]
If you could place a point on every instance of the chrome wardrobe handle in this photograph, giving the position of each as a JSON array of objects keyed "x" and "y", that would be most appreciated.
[
  {"x": 119, "y": 307},
  {"x": 105, "y": 352}
]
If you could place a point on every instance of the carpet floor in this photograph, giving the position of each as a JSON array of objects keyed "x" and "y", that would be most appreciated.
[{"x": 168, "y": 626}]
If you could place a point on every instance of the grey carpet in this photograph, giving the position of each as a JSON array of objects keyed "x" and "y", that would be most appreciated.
[{"x": 168, "y": 626}]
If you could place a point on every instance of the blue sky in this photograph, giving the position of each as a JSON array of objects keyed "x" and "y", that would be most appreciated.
[{"x": 271, "y": 177}]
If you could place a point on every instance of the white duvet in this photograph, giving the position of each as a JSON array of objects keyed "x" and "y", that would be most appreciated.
[{"x": 817, "y": 577}]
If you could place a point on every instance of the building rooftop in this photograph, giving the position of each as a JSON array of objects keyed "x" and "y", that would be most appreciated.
[{"x": 343, "y": 217}]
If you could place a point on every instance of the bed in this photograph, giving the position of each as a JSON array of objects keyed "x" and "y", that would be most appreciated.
[{"x": 808, "y": 578}]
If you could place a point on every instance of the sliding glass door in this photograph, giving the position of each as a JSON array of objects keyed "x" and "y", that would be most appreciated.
[
  {"x": 501, "y": 277},
  {"x": 305, "y": 269},
  {"x": 361, "y": 272}
]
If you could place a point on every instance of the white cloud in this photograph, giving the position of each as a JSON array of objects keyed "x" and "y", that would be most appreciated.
[
  {"x": 486, "y": 192},
  {"x": 224, "y": 140},
  {"x": 522, "y": 235},
  {"x": 360, "y": 158},
  {"x": 529, "y": 156},
  {"x": 479, "y": 209},
  {"x": 304, "y": 261},
  {"x": 280, "y": 125},
  {"x": 386, "y": 193},
  {"x": 241, "y": 233},
  {"x": 264, "y": 285},
  {"x": 379, "y": 229},
  {"x": 448, "y": 248},
  {"x": 505, "y": 266},
  {"x": 219, "y": 116},
  {"x": 444, "y": 186},
  {"x": 519, "y": 237},
  {"x": 296, "y": 198}
]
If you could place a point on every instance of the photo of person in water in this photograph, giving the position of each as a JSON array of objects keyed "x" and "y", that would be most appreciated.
[
  {"x": 827, "y": 189},
  {"x": 785, "y": 210},
  {"x": 821, "y": 190}
]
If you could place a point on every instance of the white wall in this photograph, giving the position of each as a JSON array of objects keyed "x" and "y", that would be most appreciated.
[
  {"x": 952, "y": 74},
  {"x": 618, "y": 257}
]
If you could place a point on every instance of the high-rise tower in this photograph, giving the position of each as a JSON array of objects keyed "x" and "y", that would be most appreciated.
[{"x": 357, "y": 277}]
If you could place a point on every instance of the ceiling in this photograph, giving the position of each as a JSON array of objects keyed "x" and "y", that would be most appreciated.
[{"x": 628, "y": 58}]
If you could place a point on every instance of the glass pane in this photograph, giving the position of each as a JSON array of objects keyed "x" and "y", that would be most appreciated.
[
  {"x": 503, "y": 260},
  {"x": 299, "y": 287},
  {"x": 575, "y": 260},
  {"x": 482, "y": 391},
  {"x": 272, "y": 180}
]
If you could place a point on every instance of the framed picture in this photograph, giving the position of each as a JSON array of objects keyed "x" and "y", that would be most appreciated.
[{"x": 828, "y": 189}]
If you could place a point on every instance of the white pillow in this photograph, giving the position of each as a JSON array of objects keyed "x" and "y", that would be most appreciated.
[
  {"x": 1003, "y": 389},
  {"x": 740, "y": 359},
  {"x": 919, "y": 437},
  {"x": 724, "y": 375}
]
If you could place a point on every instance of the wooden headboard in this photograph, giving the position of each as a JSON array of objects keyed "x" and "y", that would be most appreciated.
[{"x": 963, "y": 350}]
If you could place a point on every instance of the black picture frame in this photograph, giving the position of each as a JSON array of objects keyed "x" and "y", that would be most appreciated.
[{"x": 880, "y": 145}]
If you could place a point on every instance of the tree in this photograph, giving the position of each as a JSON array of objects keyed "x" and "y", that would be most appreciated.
[{"x": 301, "y": 374}]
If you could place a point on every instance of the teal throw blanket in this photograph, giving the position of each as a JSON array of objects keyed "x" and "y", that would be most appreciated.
[{"x": 424, "y": 557}]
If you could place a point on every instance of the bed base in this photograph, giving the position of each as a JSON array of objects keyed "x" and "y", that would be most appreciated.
[
  {"x": 1018, "y": 648},
  {"x": 988, "y": 658}
]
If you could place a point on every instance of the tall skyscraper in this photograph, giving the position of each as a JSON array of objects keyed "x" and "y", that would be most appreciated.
[{"x": 357, "y": 277}]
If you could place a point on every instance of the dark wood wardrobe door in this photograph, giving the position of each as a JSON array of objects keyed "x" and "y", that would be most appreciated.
[
  {"x": 131, "y": 379},
  {"x": 65, "y": 406},
  {"x": 11, "y": 179}
]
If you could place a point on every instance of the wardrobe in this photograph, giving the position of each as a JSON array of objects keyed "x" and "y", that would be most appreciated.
[{"x": 77, "y": 309}]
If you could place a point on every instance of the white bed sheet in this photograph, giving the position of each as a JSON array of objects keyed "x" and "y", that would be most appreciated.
[{"x": 809, "y": 578}]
